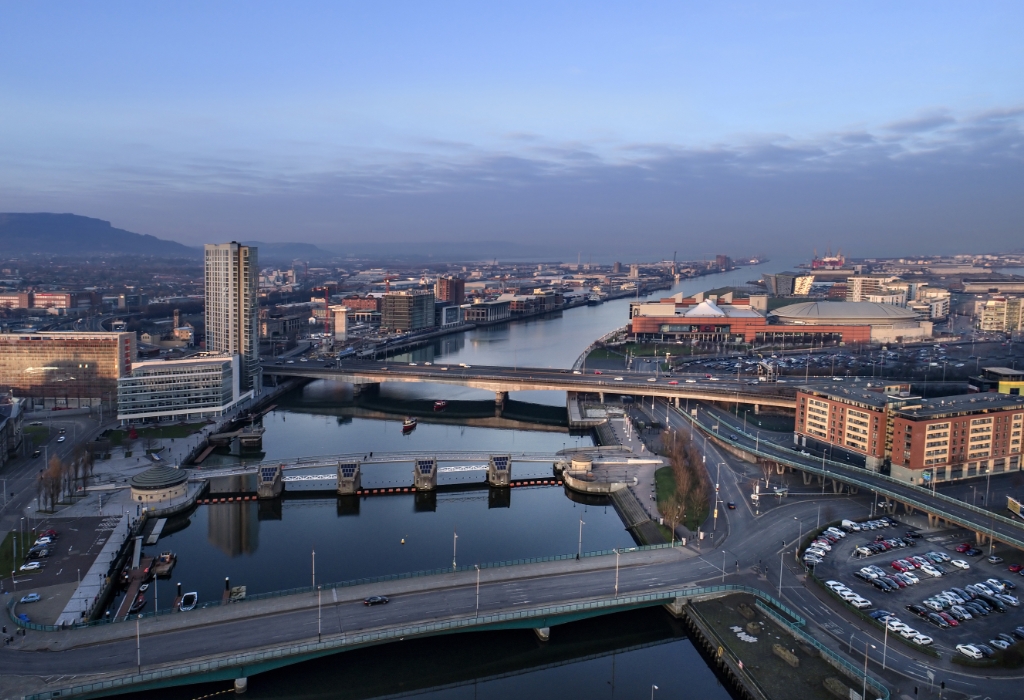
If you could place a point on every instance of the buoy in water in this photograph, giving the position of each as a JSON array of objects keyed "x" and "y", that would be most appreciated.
[{"x": 403, "y": 540}]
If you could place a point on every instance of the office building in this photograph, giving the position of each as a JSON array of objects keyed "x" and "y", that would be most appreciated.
[
  {"x": 232, "y": 307},
  {"x": 487, "y": 312},
  {"x": 941, "y": 439},
  {"x": 451, "y": 289},
  {"x": 65, "y": 369},
  {"x": 407, "y": 310},
  {"x": 1002, "y": 314},
  {"x": 189, "y": 389},
  {"x": 788, "y": 284}
]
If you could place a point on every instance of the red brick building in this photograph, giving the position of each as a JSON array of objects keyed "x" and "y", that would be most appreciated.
[{"x": 947, "y": 438}]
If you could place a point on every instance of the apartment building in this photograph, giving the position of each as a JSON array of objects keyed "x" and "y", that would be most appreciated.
[{"x": 946, "y": 438}]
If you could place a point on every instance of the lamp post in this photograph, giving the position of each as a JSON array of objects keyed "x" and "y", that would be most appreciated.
[
  {"x": 796, "y": 550},
  {"x": 781, "y": 554},
  {"x": 319, "y": 637},
  {"x": 477, "y": 590},
  {"x": 864, "y": 687},
  {"x": 138, "y": 644},
  {"x": 314, "y": 568},
  {"x": 653, "y": 688},
  {"x": 579, "y": 544},
  {"x": 455, "y": 544},
  {"x": 616, "y": 573}
]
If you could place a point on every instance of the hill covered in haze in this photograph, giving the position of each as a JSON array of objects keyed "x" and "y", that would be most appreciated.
[{"x": 70, "y": 234}]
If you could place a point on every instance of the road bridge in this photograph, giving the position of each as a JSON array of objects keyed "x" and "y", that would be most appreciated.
[{"x": 502, "y": 380}]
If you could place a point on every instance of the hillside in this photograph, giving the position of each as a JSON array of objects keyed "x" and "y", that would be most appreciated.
[{"x": 70, "y": 234}]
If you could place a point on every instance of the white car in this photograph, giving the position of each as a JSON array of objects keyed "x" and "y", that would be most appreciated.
[
  {"x": 847, "y": 595},
  {"x": 931, "y": 571},
  {"x": 834, "y": 585},
  {"x": 618, "y": 379},
  {"x": 896, "y": 626},
  {"x": 911, "y": 577},
  {"x": 860, "y": 603},
  {"x": 969, "y": 650},
  {"x": 960, "y": 564},
  {"x": 922, "y": 639},
  {"x": 652, "y": 379},
  {"x": 908, "y": 633},
  {"x": 1007, "y": 598},
  {"x": 996, "y": 585},
  {"x": 987, "y": 590},
  {"x": 31, "y": 566}
]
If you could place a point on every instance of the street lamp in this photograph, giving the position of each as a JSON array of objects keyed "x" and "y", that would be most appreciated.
[
  {"x": 796, "y": 550},
  {"x": 477, "y": 590},
  {"x": 653, "y": 688},
  {"x": 616, "y": 573},
  {"x": 781, "y": 554},
  {"x": 579, "y": 545},
  {"x": 455, "y": 543}
]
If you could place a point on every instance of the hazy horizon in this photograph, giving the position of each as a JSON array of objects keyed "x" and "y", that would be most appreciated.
[{"x": 626, "y": 132}]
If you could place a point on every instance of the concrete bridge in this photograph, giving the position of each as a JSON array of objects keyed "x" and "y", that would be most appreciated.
[{"x": 502, "y": 380}]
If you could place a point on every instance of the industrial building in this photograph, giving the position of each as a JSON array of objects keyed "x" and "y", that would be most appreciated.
[
  {"x": 232, "y": 307},
  {"x": 65, "y": 369},
  {"x": 946, "y": 438},
  {"x": 188, "y": 389}
]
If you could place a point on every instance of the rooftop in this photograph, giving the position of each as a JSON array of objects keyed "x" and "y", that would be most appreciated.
[
  {"x": 967, "y": 403},
  {"x": 159, "y": 477},
  {"x": 845, "y": 310}
]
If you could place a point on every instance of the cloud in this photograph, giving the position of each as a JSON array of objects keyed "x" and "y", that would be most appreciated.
[{"x": 933, "y": 183}]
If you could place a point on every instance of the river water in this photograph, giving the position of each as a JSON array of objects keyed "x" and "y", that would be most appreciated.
[{"x": 269, "y": 546}]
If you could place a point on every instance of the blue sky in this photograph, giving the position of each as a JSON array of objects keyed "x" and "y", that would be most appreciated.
[{"x": 745, "y": 127}]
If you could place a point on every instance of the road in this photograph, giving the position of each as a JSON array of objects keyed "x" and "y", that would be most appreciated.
[{"x": 505, "y": 379}]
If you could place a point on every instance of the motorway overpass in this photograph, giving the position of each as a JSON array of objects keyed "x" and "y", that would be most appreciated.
[{"x": 502, "y": 380}]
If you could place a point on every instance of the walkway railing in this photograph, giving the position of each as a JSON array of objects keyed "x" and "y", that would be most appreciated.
[
  {"x": 582, "y": 359},
  {"x": 343, "y": 642},
  {"x": 845, "y": 473}
]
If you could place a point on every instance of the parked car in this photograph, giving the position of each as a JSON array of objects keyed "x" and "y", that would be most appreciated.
[
  {"x": 960, "y": 564},
  {"x": 31, "y": 598},
  {"x": 995, "y": 560},
  {"x": 969, "y": 650}
]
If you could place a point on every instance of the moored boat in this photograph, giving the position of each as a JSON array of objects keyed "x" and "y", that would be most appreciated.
[
  {"x": 440, "y": 405},
  {"x": 188, "y": 601},
  {"x": 409, "y": 425},
  {"x": 138, "y": 604}
]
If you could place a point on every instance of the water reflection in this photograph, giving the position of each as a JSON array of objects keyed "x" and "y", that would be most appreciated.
[
  {"x": 615, "y": 656},
  {"x": 234, "y": 528}
]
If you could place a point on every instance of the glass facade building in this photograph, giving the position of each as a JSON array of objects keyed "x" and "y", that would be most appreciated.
[
  {"x": 193, "y": 388},
  {"x": 65, "y": 369},
  {"x": 232, "y": 307}
]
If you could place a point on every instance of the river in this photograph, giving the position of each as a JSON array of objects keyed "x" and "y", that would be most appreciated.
[{"x": 269, "y": 545}]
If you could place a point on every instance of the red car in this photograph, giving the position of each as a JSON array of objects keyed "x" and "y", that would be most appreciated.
[
  {"x": 1015, "y": 567},
  {"x": 949, "y": 619},
  {"x": 673, "y": 382},
  {"x": 899, "y": 567},
  {"x": 597, "y": 371},
  {"x": 963, "y": 547}
]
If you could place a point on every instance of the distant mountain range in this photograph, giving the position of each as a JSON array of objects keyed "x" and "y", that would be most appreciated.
[{"x": 70, "y": 234}]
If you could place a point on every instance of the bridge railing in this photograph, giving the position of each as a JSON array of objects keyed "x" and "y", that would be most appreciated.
[
  {"x": 892, "y": 480},
  {"x": 342, "y": 584},
  {"x": 581, "y": 360},
  {"x": 253, "y": 660},
  {"x": 846, "y": 473}
]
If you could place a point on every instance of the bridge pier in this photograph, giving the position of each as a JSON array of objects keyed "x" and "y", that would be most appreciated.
[
  {"x": 677, "y": 402},
  {"x": 269, "y": 482},
  {"x": 837, "y": 486},
  {"x": 241, "y": 685},
  {"x": 543, "y": 633},
  {"x": 807, "y": 478},
  {"x": 675, "y": 608},
  {"x": 600, "y": 397},
  {"x": 365, "y": 388},
  {"x": 424, "y": 474},
  {"x": 499, "y": 470},
  {"x": 500, "y": 397},
  {"x": 757, "y": 408},
  {"x": 349, "y": 478}
]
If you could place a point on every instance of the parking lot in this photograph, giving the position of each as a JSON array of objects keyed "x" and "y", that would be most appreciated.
[{"x": 842, "y": 563}]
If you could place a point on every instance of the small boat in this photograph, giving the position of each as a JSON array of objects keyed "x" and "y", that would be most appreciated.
[
  {"x": 138, "y": 604},
  {"x": 409, "y": 425},
  {"x": 163, "y": 564},
  {"x": 188, "y": 601},
  {"x": 594, "y": 300},
  {"x": 143, "y": 588},
  {"x": 440, "y": 405}
]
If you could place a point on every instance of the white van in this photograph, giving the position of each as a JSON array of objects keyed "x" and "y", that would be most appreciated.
[{"x": 850, "y": 526}]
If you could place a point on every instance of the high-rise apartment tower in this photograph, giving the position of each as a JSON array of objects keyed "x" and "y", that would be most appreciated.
[{"x": 232, "y": 307}]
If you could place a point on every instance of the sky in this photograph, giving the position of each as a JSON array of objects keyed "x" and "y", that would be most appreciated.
[{"x": 632, "y": 128}]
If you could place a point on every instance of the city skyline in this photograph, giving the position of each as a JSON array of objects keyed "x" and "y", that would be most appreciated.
[{"x": 563, "y": 129}]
